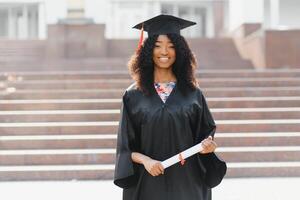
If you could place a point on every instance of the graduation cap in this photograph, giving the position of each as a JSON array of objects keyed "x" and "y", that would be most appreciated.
[{"x": 161, "y": 25}]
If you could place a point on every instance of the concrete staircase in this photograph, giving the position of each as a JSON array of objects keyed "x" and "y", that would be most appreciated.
[
  {"x": 35, "y": 55},
  {"x": 14, "y": 51},
  {"x": 62, "y": 125},
  {"x": 218, "y": 53}
]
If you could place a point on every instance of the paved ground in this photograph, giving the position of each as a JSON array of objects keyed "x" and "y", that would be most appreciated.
[{"x": 230, "y": 189}]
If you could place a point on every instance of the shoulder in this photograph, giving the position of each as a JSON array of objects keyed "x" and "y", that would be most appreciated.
[
  {"x": 131, "y": 92},
  {"x": 131, "y": 87},
  {"x": 199, "y": 93}
]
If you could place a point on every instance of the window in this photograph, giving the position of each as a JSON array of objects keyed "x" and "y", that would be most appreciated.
[
  {"x": 19, "y": 21},
  {"x": 3, "y": 23},
  {"x": 167, "y": 9},
  {"x": 191, "y": 11}
]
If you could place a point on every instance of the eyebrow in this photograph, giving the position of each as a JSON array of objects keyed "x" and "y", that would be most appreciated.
[{"x": 162, "y": 41}]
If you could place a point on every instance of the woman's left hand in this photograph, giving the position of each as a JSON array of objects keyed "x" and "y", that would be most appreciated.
[{"x": 208, "y": 145}]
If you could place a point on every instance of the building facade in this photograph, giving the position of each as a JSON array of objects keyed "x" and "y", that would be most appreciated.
[
  {"x": 22, "y": 20},
  {"x": 28, "y": 19}
]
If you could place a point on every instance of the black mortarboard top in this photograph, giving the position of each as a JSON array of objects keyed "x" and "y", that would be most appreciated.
[{"x": 164, "y": 24}]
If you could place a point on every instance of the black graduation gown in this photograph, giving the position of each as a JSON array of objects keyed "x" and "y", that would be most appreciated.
[{"x": 161, "y": 130}]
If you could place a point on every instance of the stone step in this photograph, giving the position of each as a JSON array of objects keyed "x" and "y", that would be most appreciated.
[
  {"x": 59, "y": 172},
  {"x": 124, "y": 83},
  {"x": 58, "y": 142},
  {"x": 264, "y": 156},
  {"x": 59, "y": 115},
  {"x": 117, "y": 93},
  {"x": 62, "y": 104},
  {"x": 63, "y": 75},
  {"x": 95, "y": 104},
  {"x": 257, "y": 139},
  {"x": 23, "y": 64},
  {"x": 41, "y": 157},
  {"x": 265, "y": 169},
  {"x": 114, "y": 115},
  {"x": 107, "y": 156},
  {"x": 255, "y": 113},
  {"x": 259, "y": 136},
  {"x": 253, "y": 102},
  {"x": 109, "y": 127},
  {"x": 109, "y": 140},
  {"x": 258, "y": 126},
  {"x": 105, "y": 172},
  {"x": 113, "y": 74}
]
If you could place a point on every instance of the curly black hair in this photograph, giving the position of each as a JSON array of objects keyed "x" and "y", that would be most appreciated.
[{"x": 141, "y": 65}]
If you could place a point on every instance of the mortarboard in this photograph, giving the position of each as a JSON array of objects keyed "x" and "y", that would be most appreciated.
[{"x": 162, "y": 24}]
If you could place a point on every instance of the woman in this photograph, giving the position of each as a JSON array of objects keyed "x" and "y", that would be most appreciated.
[{"x": 163, "y": 114}]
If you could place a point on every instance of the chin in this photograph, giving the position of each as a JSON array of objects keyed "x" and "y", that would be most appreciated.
[{"x": 163, "y": 66}]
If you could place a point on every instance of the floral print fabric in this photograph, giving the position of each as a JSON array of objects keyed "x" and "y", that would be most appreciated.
[{"x": 164, "y": 89}]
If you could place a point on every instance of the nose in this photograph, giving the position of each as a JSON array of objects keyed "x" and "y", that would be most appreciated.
[{"x": 164, "y": 50}]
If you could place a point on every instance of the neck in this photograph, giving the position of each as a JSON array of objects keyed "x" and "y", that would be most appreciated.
[{"x": 163, "y": 75}]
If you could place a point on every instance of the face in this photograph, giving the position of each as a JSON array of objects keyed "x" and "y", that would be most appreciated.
[{"x": 164, "y": 52}]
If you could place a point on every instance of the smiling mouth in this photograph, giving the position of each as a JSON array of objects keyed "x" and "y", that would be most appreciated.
[{"x": 164, "y": 59}]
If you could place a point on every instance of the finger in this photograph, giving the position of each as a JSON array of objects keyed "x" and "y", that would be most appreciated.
[
  {"x": 214, "y": 143},
  {"x": 157, "y": 172},
  {"x": 161, "y": 168},
  {"x": 205, "y": 140},
  {"x": 208, "y": 140},
  {"x": 204, "y": 151},
  {"x": 158, "y": 166},
  {"x": 205, "y": 145},
  {"x": 206, "y": 148},
  {"x": 210, "y": 137},
  {"x": 210, "y": 145},
  {"x": 154, "y": 172},
  {"x": 211, "y": 148},
  {"x": 157, "y": 169},
  {"x": 162, "y": 171}
]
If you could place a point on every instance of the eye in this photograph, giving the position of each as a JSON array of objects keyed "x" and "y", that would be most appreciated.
[
  {"x": 171, "y": 47},
  {"x": 157, "y": 45}
]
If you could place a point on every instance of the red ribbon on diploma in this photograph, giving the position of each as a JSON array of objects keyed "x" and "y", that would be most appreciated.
[{"x": 182, "y": 161}]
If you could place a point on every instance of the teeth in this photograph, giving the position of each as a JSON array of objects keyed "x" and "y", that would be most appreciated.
[{"x": 163, "y": 59}]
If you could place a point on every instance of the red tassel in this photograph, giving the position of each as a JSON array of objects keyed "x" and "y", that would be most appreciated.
[
  {"x": 141, "y": 38},
  {"x": 182, "y": 161}
]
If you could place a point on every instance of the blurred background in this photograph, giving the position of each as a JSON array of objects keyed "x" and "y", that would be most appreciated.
[{"x": 63, "y": 72}]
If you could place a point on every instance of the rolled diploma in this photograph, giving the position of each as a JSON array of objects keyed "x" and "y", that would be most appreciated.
[{"x": 185, "y": 154}]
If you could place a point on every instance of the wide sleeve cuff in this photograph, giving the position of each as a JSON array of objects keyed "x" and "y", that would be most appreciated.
[
  {"x": 125, "y": 173},
  {"x": 215, "y": 169}
]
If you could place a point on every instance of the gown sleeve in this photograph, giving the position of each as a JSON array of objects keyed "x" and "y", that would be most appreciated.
[
  {"x": 125, "y": 170},
  {"x": 213, "y": 167}
]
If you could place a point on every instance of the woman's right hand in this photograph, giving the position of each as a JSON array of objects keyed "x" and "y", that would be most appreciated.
[{"x": 154, "y": 167}]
